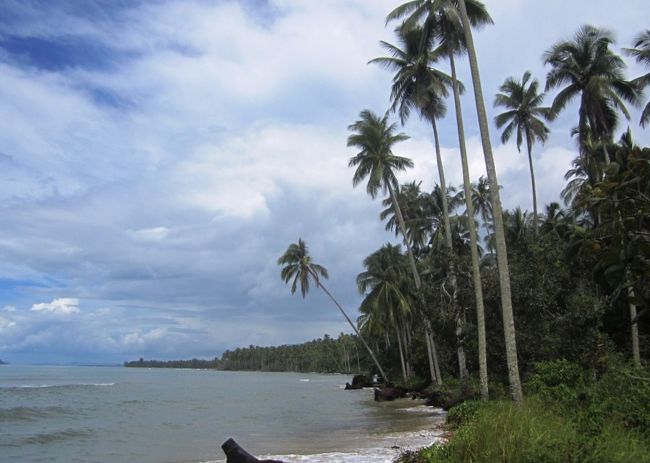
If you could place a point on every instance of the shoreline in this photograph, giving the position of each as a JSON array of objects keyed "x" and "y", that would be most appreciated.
[{"x": 375, "y": 447}]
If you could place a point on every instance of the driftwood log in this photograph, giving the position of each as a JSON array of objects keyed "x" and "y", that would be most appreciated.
[{"x": 236, "y": 454}]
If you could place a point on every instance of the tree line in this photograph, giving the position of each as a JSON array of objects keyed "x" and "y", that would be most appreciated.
[{"x": 323, "y": 355}]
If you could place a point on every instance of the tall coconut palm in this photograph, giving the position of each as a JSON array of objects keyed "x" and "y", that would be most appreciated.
[
  {"x": 440, "y": 19},
  {"x": 299, "y": 268},
  {"x": 383, "y": 284},
  {"x": 500, "y": 242},
  {"x": 420, "y": 87},
  {"x": 586, "y": 67},
  {"x": 524, "y": 117},
  {"x": 375, "y": 138},
  {"x": 641, "y": 52}
]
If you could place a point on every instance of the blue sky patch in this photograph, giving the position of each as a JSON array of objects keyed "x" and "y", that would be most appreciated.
[{"x": 59, "y": 54}]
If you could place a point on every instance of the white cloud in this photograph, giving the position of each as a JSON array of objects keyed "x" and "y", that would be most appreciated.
[{"x": 63, "y": 306}]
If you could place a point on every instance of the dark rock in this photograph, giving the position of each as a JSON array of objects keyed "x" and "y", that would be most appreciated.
[
  {"x": 351, "y": 387},
  {"x": 236, "y": 454},
  {"x": 361, "y": 381},
  {"x": 388, "y": 394}
]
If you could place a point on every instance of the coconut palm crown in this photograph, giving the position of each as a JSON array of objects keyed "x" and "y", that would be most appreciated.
[
  {"x": 375, "y": 137},
  {"x": 299, "y": 267},
  {"x": 523, "y": 116},
  {"x": 586, "y": 67},
  {"x": 641, "y": 52}
]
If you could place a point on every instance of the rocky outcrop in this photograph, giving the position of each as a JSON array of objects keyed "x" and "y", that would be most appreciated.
[
  {"x": 236, "y": 454},
  {"x": 359, "y": 382}
]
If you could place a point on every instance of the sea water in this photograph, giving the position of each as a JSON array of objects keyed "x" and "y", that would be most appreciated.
[{"x": 65, "y": 414}]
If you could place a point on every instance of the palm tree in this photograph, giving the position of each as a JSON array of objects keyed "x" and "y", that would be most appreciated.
[
  {"x": 299, "y": 268},
  {"x": 500, "y": 242},
  {"x": 383, "y": 284},
  {"x": 375, "y": 137},
  {"x": 523, "y": 103},
  {"x": 641, "y": 52},
  {"x": 417, "y": 85},
  {"x": 587, "y": 68},
  {"x": 440, "y": 19},
  {"x": 482, "y": 204},
  {"x": 418, "y": 224}
]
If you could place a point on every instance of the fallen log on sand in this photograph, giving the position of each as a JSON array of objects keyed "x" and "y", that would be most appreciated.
[{"x": 236, "y": 454}]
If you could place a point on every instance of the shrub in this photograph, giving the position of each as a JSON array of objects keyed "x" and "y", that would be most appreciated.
[
  {"x": 559, "y": 383},
  {"x": 464, "y": 413},
  {"x": 620, "y": 397}
]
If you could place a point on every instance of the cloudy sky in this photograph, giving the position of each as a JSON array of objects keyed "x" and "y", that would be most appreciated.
[{"x": 156, "y": 157}]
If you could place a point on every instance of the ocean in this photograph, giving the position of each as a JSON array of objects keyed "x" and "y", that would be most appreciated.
[{"x": 64, "y": 414}]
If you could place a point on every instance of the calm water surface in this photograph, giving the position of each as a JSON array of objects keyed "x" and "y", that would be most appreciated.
[{"x": 115, "y": 414}]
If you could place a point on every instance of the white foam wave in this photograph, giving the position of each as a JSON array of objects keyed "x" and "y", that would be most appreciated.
[
  {"x": 384, "y": 449},
  {"x": 42, "y": 386}
]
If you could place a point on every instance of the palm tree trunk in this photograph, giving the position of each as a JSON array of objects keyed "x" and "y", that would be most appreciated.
[
  {"x": 501, "y": 250},
  {"x": 400, "y": 347},
  {"x": 372, "y": 354},
  {"x": 436, "y": 365},
  {"x": 636, "y": 353},
  {"x": 414, "y": 269},
  {"x": 443, "y": 185},
  {"x": 532, "y": 181},
  {"x": 432, "y": 369},
  {"x": 473, "y": 238}
]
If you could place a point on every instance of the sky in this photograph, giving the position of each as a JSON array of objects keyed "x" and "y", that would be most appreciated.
[{"x": 157, "y": 157}]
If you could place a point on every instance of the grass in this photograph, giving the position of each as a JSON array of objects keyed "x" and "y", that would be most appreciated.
[{"x": 565, "y": 418}]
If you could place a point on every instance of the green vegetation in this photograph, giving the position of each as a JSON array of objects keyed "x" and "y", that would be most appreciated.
[{"x": 568, "y": 417}]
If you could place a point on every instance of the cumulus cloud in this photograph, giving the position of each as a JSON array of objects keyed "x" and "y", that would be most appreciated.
[{"x": 63, "y": 306}]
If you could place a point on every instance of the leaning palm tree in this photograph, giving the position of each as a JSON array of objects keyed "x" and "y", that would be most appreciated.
[
  {"x": 641, "y": 52},
  {"x": 440, "y": 19},
  {"x": 300, "y": 269},
  {"x": 375, "y": 138},
  {"x": 500, "y": 241},
  {"x": 523, "y": 117},
  {"x": 586, "y": 67}
]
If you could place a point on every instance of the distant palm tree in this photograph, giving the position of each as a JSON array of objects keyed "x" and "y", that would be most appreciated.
[
  {"x": 524, "y": 117},
  {"x": 300, "y": 269},
  {"x": 483, "y": 205},
  {"x": 418, "y": 223},
  {"x": 641, "y": 52},
  {"x": 585, "y": 67}
]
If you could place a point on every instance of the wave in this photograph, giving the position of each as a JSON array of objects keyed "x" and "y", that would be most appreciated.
[
  {"x": 30, "y": 414},
  {"x": 46, "y": 386},
  {"x": 57, "y": 436},
  {"x": 385, "y": 449}
]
